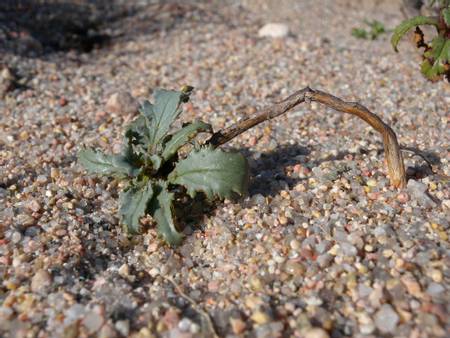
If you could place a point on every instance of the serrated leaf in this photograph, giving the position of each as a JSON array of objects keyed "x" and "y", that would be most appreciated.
[
  {"x": 133, "y": 205},
  {"x": 162, "y": 113},
  {"x": 406, "y": 25},
  {"x": 100, "y": 163},
  {"x": 161, "y": 210},
  {"x": 437, "y": 58},
  {"x": 212, "y": 171},
  {"x": 183, "y": 136}
]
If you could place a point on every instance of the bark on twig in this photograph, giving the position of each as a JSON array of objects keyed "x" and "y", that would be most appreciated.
[{"x": 393, "y": 155}]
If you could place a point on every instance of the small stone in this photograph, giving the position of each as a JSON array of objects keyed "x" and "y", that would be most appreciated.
[
  {"x": 435, "y": 289},
  {"x": 185, "y": 324},
  {"x": 316, "y": 332},
  {"x": 55, "y": 173},
  {"x": 41, "y": 281},
  {"x": 418, "y": 191},
  {"x": 412, "y": 285},
  {"x": 371, "y": 183},
  {"x": 260, "y": 317},
  {"x": 274, "y": 30},
  {"x": 16, "y": 237},
  {"x": 237, "y": 325},
  {"x": 436, "y": 275},
  {"x": 295, "y": 244},
  {"x": 124, "y": 271},
  {"x": 33, "y": 205},
  {"x": 122, "y": 103},
  {"x": 107, "y": 331},
  {"x": 386, "y": 319},
  {"x": 25, "y": 220},
  {"x": 123, "y": 326},
  {"x": 294, "y": 268},
  {"x": 403, "y": 197},
  {"x": 256, "y": 283},
  {"x": 93, "y": 322}
]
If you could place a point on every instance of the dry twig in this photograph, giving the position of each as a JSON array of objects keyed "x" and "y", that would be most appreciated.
[{"x": 394, "y": 157}]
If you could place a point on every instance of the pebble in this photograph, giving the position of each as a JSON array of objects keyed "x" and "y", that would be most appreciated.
[
  {"x": 237, "y": 325},
  {"x": 41, "y": 281},
  {"x": 122, "y": 103},
  {"x": 260, "y": 317},
  {"x": 386, "y": 319},
  {"x": 419, "y": 191},
  {"x": 274, "y": 30},
  {"x": 316, "y": 332},
  {"x": 123, "y": 326},
  {"x": 93, "y": 322}
]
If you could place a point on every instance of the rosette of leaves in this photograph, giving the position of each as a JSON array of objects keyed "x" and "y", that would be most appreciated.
[
  {"x": 155, "y": 172},
  {"x": 436, "y": 54}
]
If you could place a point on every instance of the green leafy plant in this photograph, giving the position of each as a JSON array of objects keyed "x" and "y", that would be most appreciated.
[
  {"x": 162, "y": 172},
  {"x": 376, "y": 29},
  {"x": 157, "y": 174},
  {"x": 436, "y": 53}
]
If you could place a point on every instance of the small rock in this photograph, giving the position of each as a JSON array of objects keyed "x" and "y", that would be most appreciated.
[
  {"x": 185, "y": 324},
  {"x": 25, "y": 220},
  {"x": 107, "y": 331},
  {"x": 435, "y": 289},
  {"x": 124, "y": 271},
  {"x": 33, "y": 205},
  {"x": 260, "y": 317},
  {"x": 41, "y": 281},
  {"x": 237, "y": 325},
  {"x": 386, "y": 319},
  {"x": 7, "y": 80},
  {"x": 418, "y": 191},
  {"x": 274, "y": 30},
  {"x": 316, "y": 332},
  {"x": 122, "y": 103},
  {"x": 123, "y": 326},
  {"x": 93, "y": 322}
]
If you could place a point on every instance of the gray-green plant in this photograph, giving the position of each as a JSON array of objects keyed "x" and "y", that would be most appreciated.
[
  {"x": 376, "y": 28},
  {"x": 436, "y": 53},
  {"x": 160, "y": 168}
]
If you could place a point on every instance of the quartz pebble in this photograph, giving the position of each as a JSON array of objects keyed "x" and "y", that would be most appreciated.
[
  {"x": 274, "y": 30},
  {"x": 386, "y": 319}
]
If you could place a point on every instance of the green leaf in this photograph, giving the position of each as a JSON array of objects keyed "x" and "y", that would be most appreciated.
[
  {"x": 446, "y": 16},
  {"x": 437, "y": 58},
  {"x": 133, "y": 204},
  {"x": 100, "y": 163},
  {"x": 212, "y": 171},
  {"x": 161, "y": 210},
  {"x": 156, "y": 161},
  {"x": 359, "y": 33},
  {"x": 406, "y": 25},
  {"x": 162, "y": 114},
  {"x": 183, "y": 136}
]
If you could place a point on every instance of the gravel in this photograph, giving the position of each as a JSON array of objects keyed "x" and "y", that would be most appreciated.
[{"x": 321, "y": 247}]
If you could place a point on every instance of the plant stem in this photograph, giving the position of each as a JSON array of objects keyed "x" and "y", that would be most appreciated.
[{"x": 393, "y": 155}]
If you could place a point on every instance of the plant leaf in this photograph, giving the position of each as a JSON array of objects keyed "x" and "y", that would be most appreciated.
[
  {"x": 406, "y": 25},
  {"x": 183, "y": 136},
  {"x": 100, "y": 163},
  {"x": 162, "y": 113},
  {"x": 446, "y": 16},
  {"x": 212, "y": 171},
  {"x": 161, "y": 210},
  {"x": 436, "y": 59},
  {"x": 133, "y": 204}
]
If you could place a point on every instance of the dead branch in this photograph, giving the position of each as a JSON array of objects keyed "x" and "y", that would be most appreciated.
[{"x": 393, "y": 155}]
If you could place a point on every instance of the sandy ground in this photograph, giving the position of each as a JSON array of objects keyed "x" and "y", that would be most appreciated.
[{"x": 321, "y": 247}]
